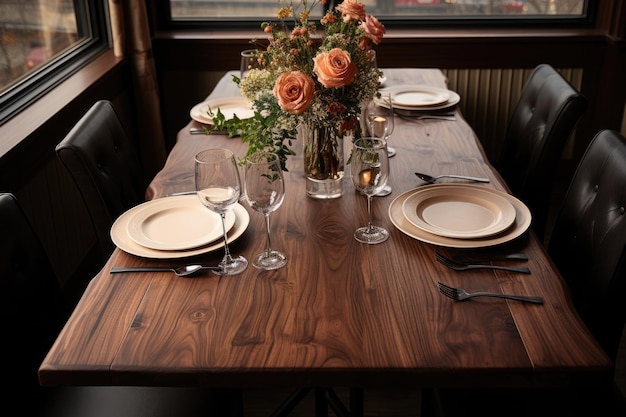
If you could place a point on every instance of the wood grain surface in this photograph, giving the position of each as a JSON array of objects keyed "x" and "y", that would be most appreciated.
[{"x": 340, "y": 313}]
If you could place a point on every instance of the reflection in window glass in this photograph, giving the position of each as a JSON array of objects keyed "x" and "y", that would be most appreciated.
[
  {"x": 207, "y": 9},
  {"x": 32, "y": 34}
]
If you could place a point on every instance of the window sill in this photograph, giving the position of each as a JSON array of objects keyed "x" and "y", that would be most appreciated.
[{"x": 35, "y": 115}]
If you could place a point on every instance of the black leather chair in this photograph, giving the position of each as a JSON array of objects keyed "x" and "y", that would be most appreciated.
[
  {"x": 33, "y": 313},
  {"x": 103, "y": 162},
  {"x": 588, "y": 246},
  {"x": 588, "y": 242},
  {"x": 543, "y": 120}
]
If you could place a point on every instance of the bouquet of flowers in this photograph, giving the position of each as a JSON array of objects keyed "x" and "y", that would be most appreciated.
[{"x": 306, "y": 77}]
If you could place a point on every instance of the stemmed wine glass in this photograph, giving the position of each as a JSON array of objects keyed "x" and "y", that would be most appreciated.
[
  {"x": 219, "y": 187},
  {"x": 380, "y": 119},
  {"x": 369, "y": 165},
  {"x": 380, "y": 124},
  {"x": 265, "y": 192}
]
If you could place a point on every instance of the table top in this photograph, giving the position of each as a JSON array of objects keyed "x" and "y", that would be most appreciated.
[{"x": 340, "y": 313}]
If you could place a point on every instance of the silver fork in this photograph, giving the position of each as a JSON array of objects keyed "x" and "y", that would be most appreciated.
[
  {"x": 459, "y": 266},
  {"x": 459, "y": 294}
]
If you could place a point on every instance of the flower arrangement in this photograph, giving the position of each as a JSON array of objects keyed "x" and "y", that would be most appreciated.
[{"x": 305, "y": 77}]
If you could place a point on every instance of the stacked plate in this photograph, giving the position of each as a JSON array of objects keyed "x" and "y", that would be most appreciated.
[
  {"x": 415, "y": 97},
  {"x": 228, "y": 106},
  {"x": 175, "y": 227},
  {"x": 459, "y": 215}
]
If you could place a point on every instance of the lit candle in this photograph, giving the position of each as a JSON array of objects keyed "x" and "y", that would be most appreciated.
[{"x": 380, "y": 127}]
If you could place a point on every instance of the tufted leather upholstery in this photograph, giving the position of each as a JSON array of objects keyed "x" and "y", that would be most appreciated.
[
  {"x": 588, "y": 246},
  {"x": 545, "y": 116},
  {"x": 588, "y": 242},
  {"x": 103, "y": 163},
  {"x": 32, "y": 315}
]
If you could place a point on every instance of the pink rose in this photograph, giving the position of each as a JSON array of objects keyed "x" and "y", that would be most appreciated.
[
  {"x": 294, "y": 91},
  {"x": 335, "y": 68},
  {"x": 373, "y": 29},
  {"x": 351, "y": 10}
]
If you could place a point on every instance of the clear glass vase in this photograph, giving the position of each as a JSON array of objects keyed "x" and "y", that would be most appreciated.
[{"x": 323, "y": 160}]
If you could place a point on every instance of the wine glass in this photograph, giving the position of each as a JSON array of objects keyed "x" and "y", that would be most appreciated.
[
  {"x": 380, "y": 119},
  {"x": 265, "y": 192},
  {"x": 369, "y": 165},
  {"x": 248, "y": 62},
  {"x": 380, "y": 124},
  {"x": 219, "y": 186}
]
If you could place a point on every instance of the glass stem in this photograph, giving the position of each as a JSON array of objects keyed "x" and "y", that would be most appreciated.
[
  {"x": 369, "y": 212},
  {"x": 267, "y": 226},
  {"x": 227, "y": 257}
]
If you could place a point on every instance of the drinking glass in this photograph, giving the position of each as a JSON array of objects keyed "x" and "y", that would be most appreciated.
[
  {"x": 380, "y": 124},
  {"x": 248, "y": 61},
  {"x": 265, "y": 192},
  {"x": 380, "y": 119},
  {"x": 369, "y": 166},
  {"x": 219, "y": 186}
]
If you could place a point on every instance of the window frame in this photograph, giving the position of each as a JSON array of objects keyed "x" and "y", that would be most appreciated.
[
  {"x": 165, "y": 22},
  {"x": 90, "y": 13}
]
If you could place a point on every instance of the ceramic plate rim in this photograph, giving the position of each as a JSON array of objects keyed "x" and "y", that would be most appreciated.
[
  {"x": 439, "y": 96},
  {"x": 198, "y": 113},
  {"x": 454, "y": 99},
  {"x": 504, "y": 218},
  {"x": 161, "y": 205},
  {"x": 520, "y": 225},
  {"x": 124, "y": 242}
]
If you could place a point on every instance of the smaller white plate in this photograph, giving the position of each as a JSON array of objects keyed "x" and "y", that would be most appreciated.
[
  {"x": 419, "y": 97},
  {"x": 229, "y": 106},
  {"x": 459, "y": 212},
  {"x": 176, "y": 224}
]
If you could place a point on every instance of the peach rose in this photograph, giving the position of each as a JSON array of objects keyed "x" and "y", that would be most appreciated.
[
  {"x": 351, "y": 10},
  {"x": 335, "y": 68},
  {"x": 294, "y": 91},
  {"x": 373, "y": 29}
]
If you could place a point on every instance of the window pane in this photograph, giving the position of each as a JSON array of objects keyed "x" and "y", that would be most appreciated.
[
  {"x": 266, "y": 9},
  {"x": 33, "y": 33}
]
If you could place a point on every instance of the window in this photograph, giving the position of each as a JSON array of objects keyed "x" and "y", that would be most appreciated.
[
  {"x": 42, "y": 42},
  {"x": 393, "y": 12}
]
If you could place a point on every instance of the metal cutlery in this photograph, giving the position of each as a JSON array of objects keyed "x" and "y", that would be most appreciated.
[
  {"x": 181, "y": 271},
  {"x": 459, "y": 294},
  {"x": 431, "y": 179},
  {"x": 458, "y": 266},
  {"x": 414, "y": 117},
  {"x": 203, "y": 131},
  {"x": 477, "y": 259}
]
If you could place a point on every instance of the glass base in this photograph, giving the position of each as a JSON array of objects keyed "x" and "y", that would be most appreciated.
[
  {"x": 324, "y": 189},
  {"x": 237, "y": 265},
  {"x": 385, "y": 191},
  {"x": 269, "y": 261},
  {"x": 371, "y": 234}
]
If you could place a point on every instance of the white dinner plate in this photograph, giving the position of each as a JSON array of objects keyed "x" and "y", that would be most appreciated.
[
  {"x": 419, "y": 96},
  {"x": 176, "y": 224},
  {"x": 519, "y": 226},
  {"x": 120, "y": 237},
  {"x": 409, "y": 92},
  {"x": 229, "y": 106},
  {"x": 459, "y": 212}
]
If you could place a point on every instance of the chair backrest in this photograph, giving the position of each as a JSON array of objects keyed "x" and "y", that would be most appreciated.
[
  {"x": 103, "y": 163},
  {"x": 588, "y": 242},
  {"x": 33, "y": 309},
  {"x": 545, "y": 116}
]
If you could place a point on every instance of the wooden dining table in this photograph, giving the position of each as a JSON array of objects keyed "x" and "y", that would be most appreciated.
[{"x": 340, "y": 313}]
